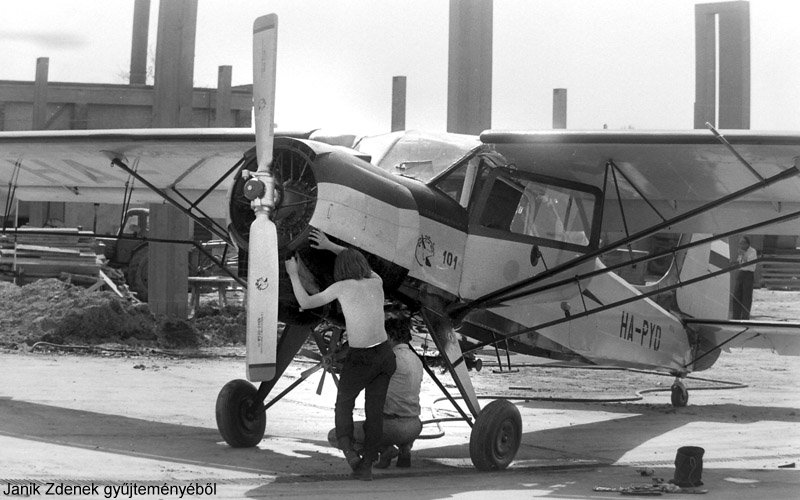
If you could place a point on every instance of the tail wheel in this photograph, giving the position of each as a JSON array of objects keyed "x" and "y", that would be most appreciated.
[
  {"x": 241, "y": 418},
  {"x": 680, "y": 395},
  {"x": 496, "y": 436}
]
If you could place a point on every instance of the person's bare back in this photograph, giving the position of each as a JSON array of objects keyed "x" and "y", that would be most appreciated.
[{"x": 362, "y": 306}]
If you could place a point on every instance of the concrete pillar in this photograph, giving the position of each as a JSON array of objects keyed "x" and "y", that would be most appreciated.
[
  {"x": 141, "y": 25},
  {"x": 734, "y": 65},
  {"x": 168, "y": 267},
  {"x": 469, "y": 81},
  {"x": 40, "y": 94},
  {"x": 559, "y": 108},
  {"x": 398, "y": 103},
  {"x": 177, "y": 22},
  {"x": 222, "y": 116},
  {"x": 168, "y": 263}
]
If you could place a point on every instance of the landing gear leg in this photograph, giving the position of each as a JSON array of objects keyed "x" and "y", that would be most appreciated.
[
  {"x": 680, "y": 395},
  {"x": 240, "y": 412},
  {"x": 497, "y": 429}
]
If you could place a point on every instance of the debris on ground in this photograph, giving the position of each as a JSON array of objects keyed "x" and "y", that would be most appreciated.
[{"x": 50, "y": 310}]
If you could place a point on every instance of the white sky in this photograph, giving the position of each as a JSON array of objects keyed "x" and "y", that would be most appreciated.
[{"x": 624, "y": 62}]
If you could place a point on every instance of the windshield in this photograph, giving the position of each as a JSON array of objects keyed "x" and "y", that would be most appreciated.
[{"x": 420, "y": 155}]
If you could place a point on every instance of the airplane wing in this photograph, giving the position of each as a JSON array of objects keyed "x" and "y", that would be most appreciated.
[
  {"x": 781, "y": 337},
  {"x": 75, "y": 166},
  {"x": 674, "y": 171}
]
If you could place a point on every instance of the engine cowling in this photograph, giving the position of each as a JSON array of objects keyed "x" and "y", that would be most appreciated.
[
  {"x": 295, "y": 189},
  {"x": 297, "y": 167}
]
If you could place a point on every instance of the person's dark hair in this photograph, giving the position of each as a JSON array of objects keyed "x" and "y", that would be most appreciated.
[
  {"x": 351, "y": 265},
  {"x": 398, "y": 327},
  {"x": 746, "y": 239}
]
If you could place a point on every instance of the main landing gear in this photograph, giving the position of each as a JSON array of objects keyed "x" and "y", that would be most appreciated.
[
  {"x": 497, "y": 429},
  {"x": 240, "y": 409}
]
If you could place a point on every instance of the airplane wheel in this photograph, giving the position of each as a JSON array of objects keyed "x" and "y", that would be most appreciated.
[
  {"x": 680, "y": 395},
  {"x": 241, "y": 420},
  {"x": 136, "y": 276},
  {"x": 496, "y": 436}
]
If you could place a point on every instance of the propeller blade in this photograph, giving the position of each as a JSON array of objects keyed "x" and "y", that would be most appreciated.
[{"x": 262, "y": 273}]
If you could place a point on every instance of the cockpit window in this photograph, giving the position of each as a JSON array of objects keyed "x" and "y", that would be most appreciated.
[
  {"x": 461, "y": 182},
  {"x": 532, "y": 206}
]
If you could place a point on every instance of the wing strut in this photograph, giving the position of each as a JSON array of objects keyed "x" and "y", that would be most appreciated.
[
  {"x": 657, "y": 255},
  {"x": 735, "y": 153},
  {"x": 219, "y": 234},
  {"x": 622, "y": 302},
  {"x": 458, "y": 311}
]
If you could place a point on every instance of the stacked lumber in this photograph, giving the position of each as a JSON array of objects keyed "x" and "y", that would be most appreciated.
[
  {"x": 784, "y": 275},
  {"x": 29, "y": 254}
]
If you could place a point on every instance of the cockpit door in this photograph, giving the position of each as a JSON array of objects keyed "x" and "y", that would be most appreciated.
[{"x": 522, "y": 224}]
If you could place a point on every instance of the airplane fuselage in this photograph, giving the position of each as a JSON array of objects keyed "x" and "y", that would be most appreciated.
[{"x": 450, "y": 252}]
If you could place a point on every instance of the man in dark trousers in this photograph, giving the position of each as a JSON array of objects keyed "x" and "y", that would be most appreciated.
[
  {"x": 743, "y": 280},
  {"x": 370, "y": 360},
  {"x": 401, "y": 422}
]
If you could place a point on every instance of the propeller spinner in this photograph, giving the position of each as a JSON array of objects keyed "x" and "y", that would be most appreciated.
[{"x": 262, "y": 273}]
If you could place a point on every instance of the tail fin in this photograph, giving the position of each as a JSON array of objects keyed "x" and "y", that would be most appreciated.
[{"x": 708, "y": 298}]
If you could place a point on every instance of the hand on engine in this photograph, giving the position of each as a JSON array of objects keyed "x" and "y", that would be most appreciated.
[{"x": 319, "y": 240}]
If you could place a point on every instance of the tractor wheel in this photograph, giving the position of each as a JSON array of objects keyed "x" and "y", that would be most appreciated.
[
  {"x": 241, "y": 419},
  {"x": 680, "y": 395},
  {"x": 496, "y": 436},
  {"x": 136, "y": 275}
]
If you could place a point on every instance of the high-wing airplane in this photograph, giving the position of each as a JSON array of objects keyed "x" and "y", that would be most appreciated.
[{"x": 494, "y": 239}]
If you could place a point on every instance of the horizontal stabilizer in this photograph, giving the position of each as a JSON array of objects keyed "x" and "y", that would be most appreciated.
[{"x": 781, "y": 337}]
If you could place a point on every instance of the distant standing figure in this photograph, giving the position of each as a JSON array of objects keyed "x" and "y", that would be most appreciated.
[{"x": 743, "y": 281}]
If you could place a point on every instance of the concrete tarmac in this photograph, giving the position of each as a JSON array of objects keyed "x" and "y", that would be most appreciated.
[{"x": 123, "y": 424}]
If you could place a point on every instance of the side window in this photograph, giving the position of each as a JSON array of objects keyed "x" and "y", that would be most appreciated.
[{"x": 535, "y": 208}]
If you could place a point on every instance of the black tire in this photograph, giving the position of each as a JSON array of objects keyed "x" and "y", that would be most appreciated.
[
  {"x": 496, "y": 436},
  {"x": 136, "y": 275},
  {"x": 680, "y": 395},
  {"x": 240, "y": 419}
]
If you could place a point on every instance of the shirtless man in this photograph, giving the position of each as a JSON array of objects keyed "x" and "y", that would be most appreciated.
[{"x": 370, "y": 361}]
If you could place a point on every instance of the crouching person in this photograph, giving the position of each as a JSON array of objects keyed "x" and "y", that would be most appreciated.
[{"x": 401, "y": 423}]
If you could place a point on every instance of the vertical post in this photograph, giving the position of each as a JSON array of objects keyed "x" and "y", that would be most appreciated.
[
  {"x": 559, "y": 108},
  {"x": 705, "y": 85},
  {"x": 469, "y": 80},
  {"x": 168, "y": 273},
  {"x": 222, "y": 116},
  {"x": 168, "y": 264},
  {"x": 177, "y": 20},
  {"x": 2, "y": 115},
  {"x": 398, "y": 103},
  {"x": 734, "y": 66},
  {"x": 40, "y": 94},
  {"x": 141, "y": 25}
]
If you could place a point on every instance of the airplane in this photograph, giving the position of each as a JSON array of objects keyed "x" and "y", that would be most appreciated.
[{"x": 494, "y": 241}]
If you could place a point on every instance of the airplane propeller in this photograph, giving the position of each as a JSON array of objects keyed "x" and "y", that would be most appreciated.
[{"x": 262, "y": 274}]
